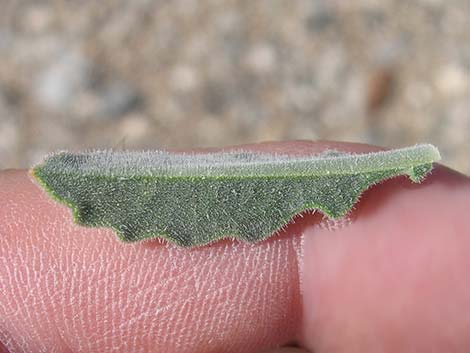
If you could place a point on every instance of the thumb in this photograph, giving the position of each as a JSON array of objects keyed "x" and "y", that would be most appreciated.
[{"x": 396, "y": 279}]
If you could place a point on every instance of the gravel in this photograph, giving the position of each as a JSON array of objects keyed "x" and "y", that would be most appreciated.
[{"x": 152, "y": 74}]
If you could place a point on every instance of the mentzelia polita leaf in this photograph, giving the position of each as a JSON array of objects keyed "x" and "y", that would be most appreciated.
[{"x": 193, "y": 199}]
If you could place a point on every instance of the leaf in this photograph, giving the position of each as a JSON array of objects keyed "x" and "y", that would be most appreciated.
[{"x": 195, "y": 199}]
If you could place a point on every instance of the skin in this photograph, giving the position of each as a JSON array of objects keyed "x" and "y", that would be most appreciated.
[{"x": 391, "y": 279}]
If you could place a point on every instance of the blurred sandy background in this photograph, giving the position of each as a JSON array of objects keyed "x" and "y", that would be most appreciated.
[{"x": 159, "y": 74}]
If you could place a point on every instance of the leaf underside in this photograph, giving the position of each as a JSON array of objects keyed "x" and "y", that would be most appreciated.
[{"x": 194, "y": 200}]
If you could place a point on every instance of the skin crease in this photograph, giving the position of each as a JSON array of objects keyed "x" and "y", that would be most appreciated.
[{"x": 393, "y": 280}]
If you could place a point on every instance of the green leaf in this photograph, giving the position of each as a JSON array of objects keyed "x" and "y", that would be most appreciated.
[{"x": 195, "y": 199}]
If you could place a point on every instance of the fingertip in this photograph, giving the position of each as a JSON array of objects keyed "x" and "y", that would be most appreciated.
[
  {"x": 161, "y": 298},
  {"x": 381, "y": 280}
]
